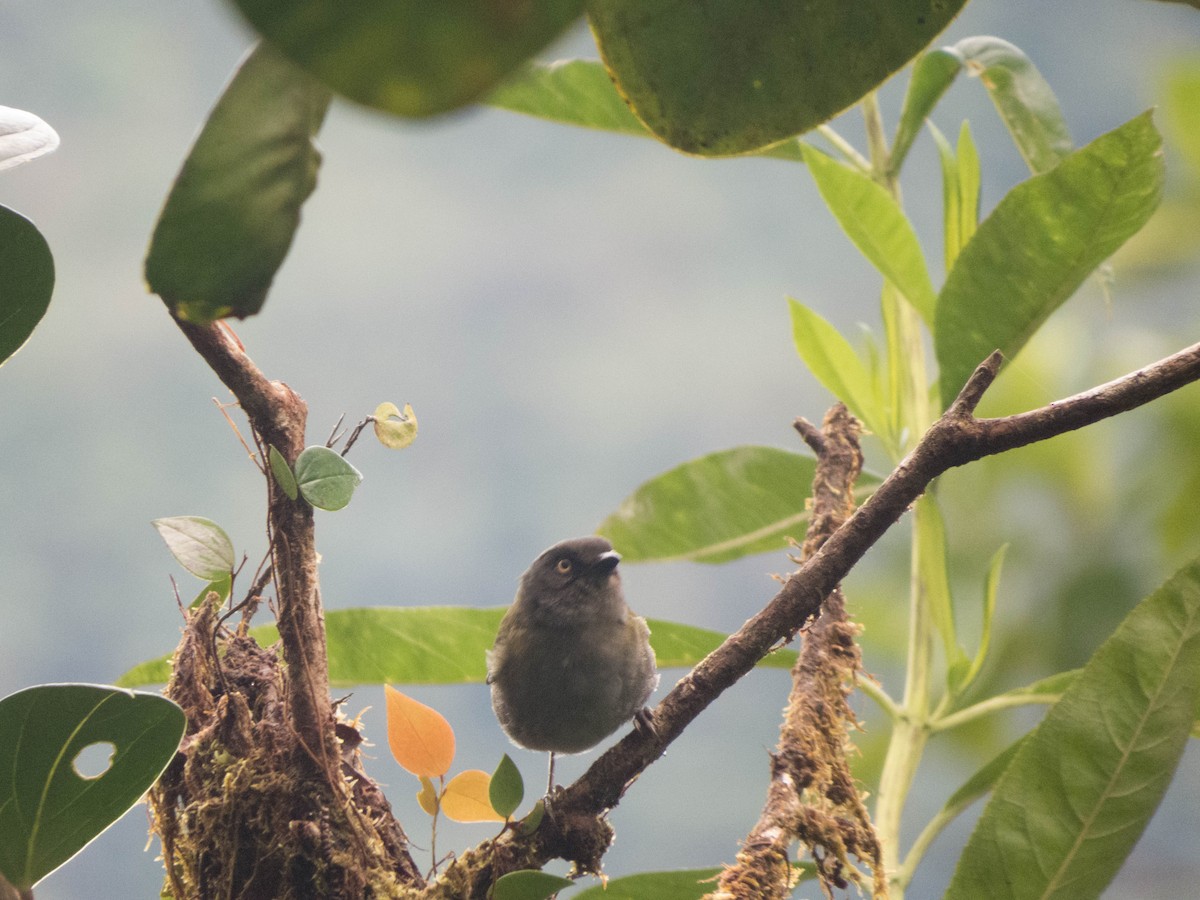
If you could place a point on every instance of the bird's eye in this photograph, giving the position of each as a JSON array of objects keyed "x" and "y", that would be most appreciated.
[{"x": 564, "y": 566}]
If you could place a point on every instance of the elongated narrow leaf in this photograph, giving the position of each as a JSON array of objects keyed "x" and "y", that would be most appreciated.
[
  {"x": 932, "y": 75},
  {"x": 580, "y": 92},
  {"x": 935, "y": 584},
  {"x": 23, "y": 136},
  {"x": 1082, "y": 787},
  {"x": 441, "y": 645},
  {"x": 991, "y": 586},
  {"x": 833, "y": 361},
  {"x": 877, "y": 225},
  {"x": 411, "y": 59},
  {"x": 1040, "y": 243},
  {"x": 960, "y": 190},
  {"x": 718, "y": 78},
  {"x": 26, "y": 280},
  {"x": 715, "y": 508},
  {"x": 235, "y": 205},
  {"x": 1023, "y": 98},
  {"x": 48, "y": 810}
]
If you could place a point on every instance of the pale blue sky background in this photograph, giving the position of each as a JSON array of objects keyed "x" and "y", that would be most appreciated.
[{"x": 569, "y": 312}]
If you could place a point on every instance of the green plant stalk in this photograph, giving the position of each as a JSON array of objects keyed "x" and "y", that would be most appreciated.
[{"x": 912, "y": 414}]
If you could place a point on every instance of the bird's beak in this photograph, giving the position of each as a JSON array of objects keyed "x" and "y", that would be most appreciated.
[{"x": 607, "y": 562}]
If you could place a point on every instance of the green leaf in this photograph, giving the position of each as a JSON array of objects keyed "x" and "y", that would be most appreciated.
[
  {"x": 325, "y": 479},
  {"x": 235, "y": 205},
  {"x": 932, "y": 75},
  {"x": 1180, "y": 113},
  {"x": 990, "y": 586},
  {"x": 960, "y": 190},
  {"x": 1023, "y": 98},
  {"x": 1040, "y": 243},
  {"x": 580, "y": 92},
  {"x": 412, "y": 59},
  {"x": 221, "y": 587},
  {"x": 1084, "y": 784},
  {"x": 199, "y": 545},
  {"x": 23, "y": 136},
  {"x": 684, "y": 884},
  {"x": 284, "y": 477},
  {"x": 48, "y": 811},
  {"x": 719, "y": 79},
  {"x": 441, "y": 645},
  {"x": 528, "y": 884},
  {"x": 506, "y": 789},
  {"x": 833, "y": 361},
  {"x": 877, "y": 225},
  {"x": 26, "y": 280},
  {"x": 716, "y": 508},
  {"x": 935, "y": 585}
]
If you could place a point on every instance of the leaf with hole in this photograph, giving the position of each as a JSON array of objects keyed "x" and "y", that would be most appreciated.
[
  {"x": 48, "y": 810},
  {"x": 395, "y": 429}
]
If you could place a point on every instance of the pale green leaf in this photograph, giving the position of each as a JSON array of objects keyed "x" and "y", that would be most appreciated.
[
  {"x": 932, "y": 74},
  {"x": 877, "y": 225},
  {"x": 325, "y": 479},
  {"x": 1040, "y": 243},
  {"x": 198, "y": 544}
]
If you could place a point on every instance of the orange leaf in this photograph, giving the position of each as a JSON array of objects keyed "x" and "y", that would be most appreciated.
[
  {"x": 421, "y": 739},
  {"x": 465, "y": 798}
]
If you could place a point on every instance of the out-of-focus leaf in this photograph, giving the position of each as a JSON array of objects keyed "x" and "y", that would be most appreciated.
[
  {"x": 1181, "y": 115},
  {"x": 1023, "y": 98},
  {"x": 441, "y": 645},
  {"x": 395, "y": 429},
  {"x": 49, "y": 811},
  {"x": 506, "y": 789},
  {"x": 990, "y": 587},
  {"x": 1083, "y": 785},
  {"x": 1040, "y": 243},
  {"x": 221, "y": 587},
  {"x": 877, "y": 225},
  {"x": 528, "y": 884},
  {"x": 935, "y": 586},
  {"x": 325, "y": 479},
  {"x": 427, "y": 796},
  {"x": 580, "y": 92},
  {"x": 419, "y": 736},
  {"x": 716, "y": 508},
  {"x": 719, "y": 79},
  {"x": 932, "y": 74},
  {"x": 198, "y": 544},
  {"x": 23, "y": 136},
  {"x": 411, "y": 59},
  {"x": 682, "y": 884},
  {"x": 960, "y": 190},
  {"x": 235, "y": 205},
  {"x": 26, "y": 280},
  {"x": 833, "y": 361}
]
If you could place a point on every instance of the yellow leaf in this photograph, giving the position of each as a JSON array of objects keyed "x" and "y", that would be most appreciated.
[
  {"x": 427, "y": 796},
  {"x": 420, "y": 738},
  {"x": 466, "y": 798},
  {"x": 395, "y": 429}
]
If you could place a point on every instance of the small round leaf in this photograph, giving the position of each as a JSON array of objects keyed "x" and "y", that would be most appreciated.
[
  {"x": 199, "y": 545},
  {"x": 325, "y": 479},
  {"x": 466, "y": 798}
]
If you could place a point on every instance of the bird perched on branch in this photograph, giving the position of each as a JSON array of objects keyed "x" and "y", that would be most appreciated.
[{"x": 571, "y": 663}]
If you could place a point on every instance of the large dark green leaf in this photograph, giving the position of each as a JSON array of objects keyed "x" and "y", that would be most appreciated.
[
  {"x": 406, "y": 57},
  {"x": 49, "y": 810},
  {"x": 719, "y": 78},
  {"x": 716, "y": 508},
  {"x": 1083, "y": 785},
  {"x": 26, "y": 280},
  {"x": 440, "y": 645},
  {"x": 1040, "y": 243},
  {"x": 580, "y": 92},
  {"x": 235, "y": 205}
]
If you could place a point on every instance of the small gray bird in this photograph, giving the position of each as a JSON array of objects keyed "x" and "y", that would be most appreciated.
[{"x": 571, "y": 663}]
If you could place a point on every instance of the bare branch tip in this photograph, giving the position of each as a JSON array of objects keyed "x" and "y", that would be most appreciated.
[{"x": 981, "y": 379}]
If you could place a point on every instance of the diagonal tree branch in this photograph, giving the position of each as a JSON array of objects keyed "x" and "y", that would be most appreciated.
[{"x": 955, "y": 439}]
